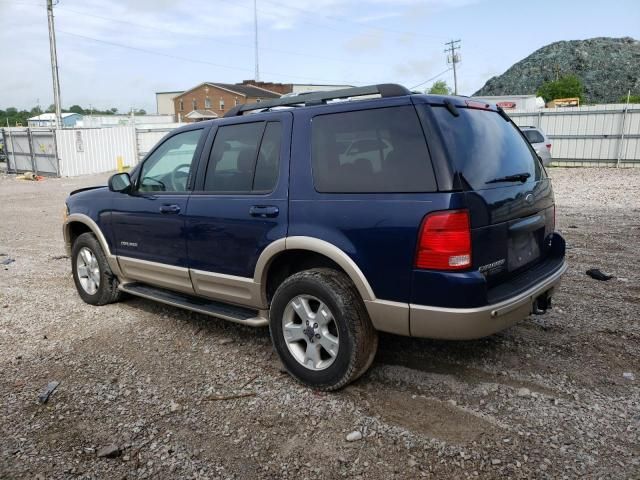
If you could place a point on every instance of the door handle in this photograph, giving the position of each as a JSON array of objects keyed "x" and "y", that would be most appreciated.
[
  {"x": 264, "y": 211},
  {"x": 170, "y": 209}
]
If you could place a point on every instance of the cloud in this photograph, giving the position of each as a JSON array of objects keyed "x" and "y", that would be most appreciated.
[
  {"x": 371, "y": 40},
  {"x": 215, "y": 33}
]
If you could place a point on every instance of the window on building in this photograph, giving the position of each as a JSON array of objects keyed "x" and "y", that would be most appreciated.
[
  {"x": 181, "y": 105},
  {"x": 207, "y": 102},
  {"x": 194, "y": 104},
  {"x": 382, "y": 150},
  {"x": 237, "y": 102},
  {"x": 243, "y": 159},
  {"x": 221, "y": 103}
]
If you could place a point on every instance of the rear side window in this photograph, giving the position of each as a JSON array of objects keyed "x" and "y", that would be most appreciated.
[
  {"x": 244, "y": 158},
  {"x": 484, "y": 148},
  {"x": 371, "y": 151},
  {"x": 533, "y": 136}
]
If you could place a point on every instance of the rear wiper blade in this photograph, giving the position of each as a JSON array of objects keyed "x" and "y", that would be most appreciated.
[{"x": 516, "y": 177}]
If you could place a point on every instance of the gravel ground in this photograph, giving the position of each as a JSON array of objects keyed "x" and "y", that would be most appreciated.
[{"x": 544, "y": 399}]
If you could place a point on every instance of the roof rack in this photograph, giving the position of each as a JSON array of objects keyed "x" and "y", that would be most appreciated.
[{"x": 319, "y": 98}]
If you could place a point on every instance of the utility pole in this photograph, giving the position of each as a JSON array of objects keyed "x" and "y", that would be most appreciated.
[
  {"x": 255, "y": 27},
  {"x": 453, "y": 58},
  {"x": 54, "y": 64}
]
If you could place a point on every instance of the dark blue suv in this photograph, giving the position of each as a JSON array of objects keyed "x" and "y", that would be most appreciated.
[{"x": 331, "y": 216}]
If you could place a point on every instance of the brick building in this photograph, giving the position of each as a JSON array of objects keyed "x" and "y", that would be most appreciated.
[
  {"x": 213, "y": 100},
  {"x": 283, "y": 88}
]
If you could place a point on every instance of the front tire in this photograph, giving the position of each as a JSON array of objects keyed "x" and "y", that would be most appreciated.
[
  {"x": 95, "y": 282},
  {"x": 321, "y": 330}
]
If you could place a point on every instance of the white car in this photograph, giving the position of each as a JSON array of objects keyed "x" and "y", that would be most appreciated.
[{"x": 540, "y": 143}]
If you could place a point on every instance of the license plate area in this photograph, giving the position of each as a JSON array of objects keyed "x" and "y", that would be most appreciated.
[{"x": 524, "y": 248}]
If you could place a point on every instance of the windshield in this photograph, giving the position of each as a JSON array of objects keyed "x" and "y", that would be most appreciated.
[
  {"x": 484, "y": 147},
  {"x": 533, "y": 136}
]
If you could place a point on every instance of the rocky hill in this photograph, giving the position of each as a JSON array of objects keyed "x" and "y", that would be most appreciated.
[{"x": 608, "y": 68}]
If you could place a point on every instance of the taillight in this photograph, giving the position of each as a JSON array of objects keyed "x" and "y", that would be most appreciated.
[
  {"x": 549, "y": 146},
  {"x": 445, "y": 241}
]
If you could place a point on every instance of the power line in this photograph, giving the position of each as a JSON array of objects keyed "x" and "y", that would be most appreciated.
[
  {"x": 187, "y": 59},
  {"x": 220, "y": 41},
  {"x": 349, "y": 22},
  {"x": 431, "y": 79}
]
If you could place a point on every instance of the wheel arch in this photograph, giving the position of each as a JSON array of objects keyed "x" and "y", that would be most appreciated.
[
  {"x": 316, "y": 247},
  {"x": 75, "y": 225}
]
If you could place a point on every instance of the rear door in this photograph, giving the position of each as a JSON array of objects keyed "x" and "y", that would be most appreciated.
[
  {"x": 239, "y": 205},
  {"x": 506, "y": 189}
]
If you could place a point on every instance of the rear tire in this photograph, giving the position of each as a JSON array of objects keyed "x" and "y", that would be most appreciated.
[
  {"x": 95, "y": 282},
  {"x": 321, "y": 330}
]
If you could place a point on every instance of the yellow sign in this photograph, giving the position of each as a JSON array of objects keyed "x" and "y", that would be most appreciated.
[{"x": 564, "y": 102}]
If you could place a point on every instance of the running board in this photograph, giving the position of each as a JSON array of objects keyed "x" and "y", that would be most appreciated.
[{"x": 233, "y": 313}]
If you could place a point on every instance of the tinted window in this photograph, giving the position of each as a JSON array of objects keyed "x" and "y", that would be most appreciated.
[
  {"x": 484, "y": 147},
  {"x": 381, "y": 150},
  {"x": 239, "y": 162},
  {"x": 169, "y": 167},
  {"x": 266, "y": 174},
  {"x": 533, "y": 136}
]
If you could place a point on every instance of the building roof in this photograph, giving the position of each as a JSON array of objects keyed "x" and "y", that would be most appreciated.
[
  {"x": 51, "y": 116},
  {"x": 247, "y": 90},
  {"x": 243, "y": 90},
  {"x": 201, "y": 114}
]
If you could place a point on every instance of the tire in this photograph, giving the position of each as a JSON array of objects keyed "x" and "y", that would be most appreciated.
[
  {"x": 322, "y": 294},
  {"x": 106, "y": 290}
]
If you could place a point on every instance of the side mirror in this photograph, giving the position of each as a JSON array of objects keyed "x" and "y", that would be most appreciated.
[{"x": 120, "y": 182}]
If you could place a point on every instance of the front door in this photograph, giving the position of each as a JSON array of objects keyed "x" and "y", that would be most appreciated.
[
  {"x": 148, "y": 223},
  {"x": 239, "y": 205}
]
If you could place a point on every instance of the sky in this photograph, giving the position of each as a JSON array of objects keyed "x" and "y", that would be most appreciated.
[{"x": 118, "y": 53}]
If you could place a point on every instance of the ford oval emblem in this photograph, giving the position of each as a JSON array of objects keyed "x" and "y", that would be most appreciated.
[{"x": 529, "y": 198}]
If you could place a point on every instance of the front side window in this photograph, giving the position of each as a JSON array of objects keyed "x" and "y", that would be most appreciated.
[
  {"x": 169, "y": 167},
  {"x": 244, "y": 158},
  {"x": 370, "y": 151}
]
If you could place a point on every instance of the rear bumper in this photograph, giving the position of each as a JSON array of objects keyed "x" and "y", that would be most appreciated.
[{"x": 471, "y": 323}]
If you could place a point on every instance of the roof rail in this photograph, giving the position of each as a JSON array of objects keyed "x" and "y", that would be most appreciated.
[{"x": 319, "y": 98}]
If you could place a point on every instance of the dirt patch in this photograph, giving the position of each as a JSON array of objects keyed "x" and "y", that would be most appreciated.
[{"x": 544, "y": 399}]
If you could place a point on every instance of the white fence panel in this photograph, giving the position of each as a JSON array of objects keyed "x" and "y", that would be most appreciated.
[
  {"x": 593, "y": 134},
  {"x": 147, "y": 138},
  {"x": 84, "y": 151}
]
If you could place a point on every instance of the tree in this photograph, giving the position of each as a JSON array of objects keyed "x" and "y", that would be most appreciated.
[
  {"x": 113, "y": 111},
  {"x": 35, "y": 111},
  {"x": 569, "y": 86},
  {"x": 141, "y": 111},
  {"x": 439, "y": 88},
  {"x": 76, "y": 109},
  {"x": 51, "y": 109}
]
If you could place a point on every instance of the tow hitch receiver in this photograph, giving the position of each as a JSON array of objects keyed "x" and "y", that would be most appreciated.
[{"x": 542, "y": 303}]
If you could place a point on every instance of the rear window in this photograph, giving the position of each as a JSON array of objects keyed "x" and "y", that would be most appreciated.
[
  {"x": 371, "y": 151},
  {"x": 484, "y": 147},
  {"x": 533, "y": 136}
]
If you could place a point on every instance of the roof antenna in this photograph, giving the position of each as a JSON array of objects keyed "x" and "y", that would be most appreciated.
[{"x": 255, "y": 27}]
